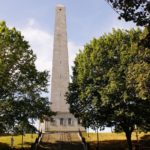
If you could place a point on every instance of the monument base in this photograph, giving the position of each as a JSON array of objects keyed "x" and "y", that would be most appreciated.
[{"x": 62, "y": 122}]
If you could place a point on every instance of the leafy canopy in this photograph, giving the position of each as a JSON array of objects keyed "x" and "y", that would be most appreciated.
[
  {"x": 110, "y": 82},
  {"x": 137, "y": 11},
  {"x": 22, "y": 86}
]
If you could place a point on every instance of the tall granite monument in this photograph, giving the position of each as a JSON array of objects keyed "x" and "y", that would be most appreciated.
[{"x": 64, "y": 120}]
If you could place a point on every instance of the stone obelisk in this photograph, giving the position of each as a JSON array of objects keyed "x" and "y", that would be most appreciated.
[
  {"x": 64, "y": 120},
  {"x": 60, "y": 66}
]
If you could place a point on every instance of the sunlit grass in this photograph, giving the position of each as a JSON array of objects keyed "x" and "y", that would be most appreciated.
[
  {"x": 116, "y": 141},
  {"x": 27, "y": 138},
  {"x": 111, "y": 136}
]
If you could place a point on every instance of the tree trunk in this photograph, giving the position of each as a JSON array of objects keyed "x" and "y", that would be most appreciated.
[
  {"x": 88, "y": 132},
  {"x": 128, "y": 136},
  {"x": 22, "y": 138},
  {"x": 97, "y": 140}
]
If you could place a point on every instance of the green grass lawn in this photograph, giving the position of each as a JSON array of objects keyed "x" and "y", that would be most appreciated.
[
  {"x": 5, "y": 141},
  {"x": 115, "y": 141}
]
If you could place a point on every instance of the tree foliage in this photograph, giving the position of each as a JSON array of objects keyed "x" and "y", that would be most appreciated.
[
  {"x": 110, "y": 82},
  {"x": 22, "y": 86},
  {"x": 137, "y": 11}
]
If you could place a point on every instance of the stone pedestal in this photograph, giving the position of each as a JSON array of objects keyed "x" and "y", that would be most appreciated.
[{"x": 63, "y": 122}]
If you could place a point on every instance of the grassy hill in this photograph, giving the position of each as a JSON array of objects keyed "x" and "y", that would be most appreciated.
[{"x": 116, "y": 141}]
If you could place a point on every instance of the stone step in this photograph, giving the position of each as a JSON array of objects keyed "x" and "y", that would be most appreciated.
[{"x": 60, "y": 141}]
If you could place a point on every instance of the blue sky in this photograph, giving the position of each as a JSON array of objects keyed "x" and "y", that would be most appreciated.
[
  {"x": 85, "y": 19},
  {"x": 35, "y": 19}
]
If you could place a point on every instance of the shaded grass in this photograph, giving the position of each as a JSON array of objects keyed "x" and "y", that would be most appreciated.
[
  {"x": 5, "y": 141},
  {"x": 116, "y": 141},
  {"x": 60, "y": 145},
  {"x": 112, "y": 136},
  {"x": 4, "y": 146}
]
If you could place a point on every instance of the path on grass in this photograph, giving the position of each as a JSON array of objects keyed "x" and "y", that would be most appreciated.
[{"x": 60, "y": 141}]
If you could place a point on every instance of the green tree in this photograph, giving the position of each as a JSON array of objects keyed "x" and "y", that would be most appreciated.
[
  {"x": 137, "y": 11},
  {"x": 22, "y": 86},
  {"x": 110, "y": 82}
]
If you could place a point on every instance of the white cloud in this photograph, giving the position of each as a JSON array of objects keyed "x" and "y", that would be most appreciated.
[
  {"x": 73, "y": 49},
  {"x": 31, "y": 22},
  {"x": 42, "y": 44}
]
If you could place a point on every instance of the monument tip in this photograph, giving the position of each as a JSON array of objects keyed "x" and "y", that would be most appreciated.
[{"x": 60, "y": 5}]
